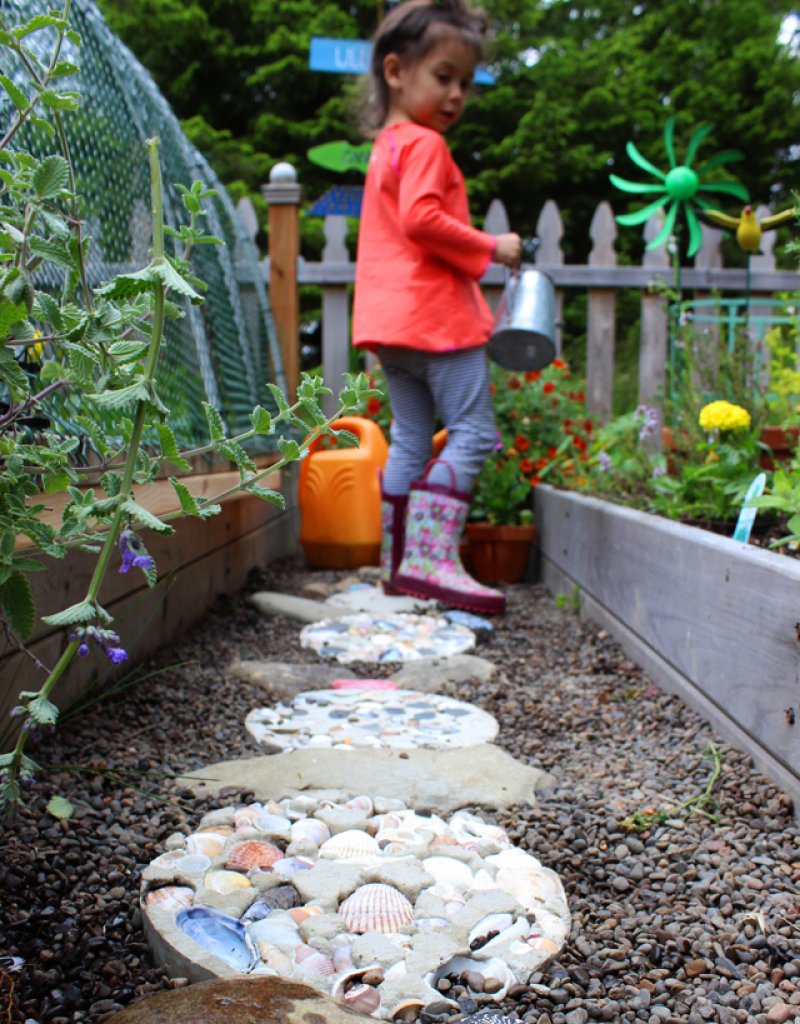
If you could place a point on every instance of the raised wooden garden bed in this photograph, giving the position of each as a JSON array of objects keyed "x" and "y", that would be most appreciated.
[
  {"x": 709, "y": 618},
  {"x": 198, "y": 563}
]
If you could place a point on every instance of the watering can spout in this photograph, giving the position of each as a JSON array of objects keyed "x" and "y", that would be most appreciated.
[{"x": 524, "y": 334}]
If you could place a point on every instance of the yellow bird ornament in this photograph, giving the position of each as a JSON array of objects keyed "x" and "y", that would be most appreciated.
[{"x": 747, "y": 226}]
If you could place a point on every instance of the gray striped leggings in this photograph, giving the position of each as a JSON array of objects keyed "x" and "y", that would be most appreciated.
[{"x": 456, "y": 386}]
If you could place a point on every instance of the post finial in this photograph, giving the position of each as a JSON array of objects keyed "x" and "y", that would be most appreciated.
[{"x": 282, "y": 173}]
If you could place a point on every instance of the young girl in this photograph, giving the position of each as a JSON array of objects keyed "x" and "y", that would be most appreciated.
[{"x": 417, "y": 301}]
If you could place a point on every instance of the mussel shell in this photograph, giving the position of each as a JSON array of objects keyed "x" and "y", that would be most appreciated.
[{"x": 219, "y": 934}]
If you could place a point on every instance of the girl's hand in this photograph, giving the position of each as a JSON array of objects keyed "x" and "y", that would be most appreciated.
[{"x": 509, "y": 249}]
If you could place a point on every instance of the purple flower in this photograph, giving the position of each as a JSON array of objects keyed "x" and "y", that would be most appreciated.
[
  {"x": 498, "y": 447},
  {"x": 83, "y": 649},
  {"x": 658, "y": 471},
  {"x": 133, "y": 553},
  {"x": 604, "y": 460},
  {"x": 649, "y": 421},
  {"x": 116, "y": 654}
]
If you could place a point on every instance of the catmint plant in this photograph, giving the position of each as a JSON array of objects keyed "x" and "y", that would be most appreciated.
[{"x": 102, "y": 345}]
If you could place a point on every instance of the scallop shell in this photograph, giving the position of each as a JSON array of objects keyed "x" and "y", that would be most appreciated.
[
  {"x": 300, "y": 914},
  {"x": 252, "y": 853},
  {"x": 352, "y": 844},
  {"x": 282, "y": 897},
  {"x": 170, "y": 897},
  {"x": 314, "y": 964},
  {"x": 376, "y": 908},
  {"x": 226, "y": 882},
  {"x": 311, "y": 829},
  {"x": 407, "y": 1011},
  {"x": 208, "y": 844}
]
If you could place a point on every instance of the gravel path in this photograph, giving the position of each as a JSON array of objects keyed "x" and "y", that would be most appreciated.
[{"x": 692, "y": 920}]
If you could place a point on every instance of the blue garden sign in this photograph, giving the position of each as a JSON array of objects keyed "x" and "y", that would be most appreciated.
[
  {"x": 352, "y": 57},
  {"x": 339, "y": 199}
]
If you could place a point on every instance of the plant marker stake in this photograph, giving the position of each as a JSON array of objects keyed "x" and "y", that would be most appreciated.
[{"x": 744, "y": 524}]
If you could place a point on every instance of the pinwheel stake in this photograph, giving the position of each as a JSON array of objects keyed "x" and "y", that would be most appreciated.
[{"x": 679, "y": 189}]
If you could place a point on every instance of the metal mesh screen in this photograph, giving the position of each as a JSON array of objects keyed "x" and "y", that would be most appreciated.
[{"x": 224, "y": 351}]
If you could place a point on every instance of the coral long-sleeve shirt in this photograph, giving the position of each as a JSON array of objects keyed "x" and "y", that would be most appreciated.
[{"x": 419, "y": 259}]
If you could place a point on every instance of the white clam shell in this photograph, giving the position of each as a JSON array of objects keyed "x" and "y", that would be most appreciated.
[
  {"x": 170, "y": 898},
  {"x": 310, "y": 829},
  {"x": 208, "y": 844},
  {"x": 226, "y": 882},
  {"x": 449, "y": 871}
]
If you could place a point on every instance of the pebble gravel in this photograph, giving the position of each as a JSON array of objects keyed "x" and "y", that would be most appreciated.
[{"x": 695, "y": 919}]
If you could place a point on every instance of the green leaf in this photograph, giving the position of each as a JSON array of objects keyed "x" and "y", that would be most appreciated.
[
  {"x": 233, "y": 451},
  {"x": 60, "y": 100},
  {"x": 54, "y": 483},
  {"x": 16, "y": 601},
  {"x": 145, "y": 517},
  {"x": 53, "y": 252},
  {"x": 261, "y": 420},
  {"x": 290, "y": 450},
  {"x": 13, "y": 376},
  {"x": 124, "y": 351},
  {"x": 46, "y": 308},
  {"x": 39, "y": 21},
  {"x": 51, "y": 177},
  {"x": 64, "y": 68},
  {"x": 11, "y": 313},
  {"x": 216, "y": 427},
  {"x": 169, "y": 447},
  {"x": 267, "y": 494},
  {"x": 189, "y": 504},
  {"x": 43, "y": 711},
  {"x": 174, "y": 281},
  {"x": 18, "y": 98},
  {"x": 59, "y": 807},
  {"x": 83, "y": 611},
  {"x": 280, "y": 398},
  {"x": 136, "y": 392},
  {"x": 43, "y": 126}
]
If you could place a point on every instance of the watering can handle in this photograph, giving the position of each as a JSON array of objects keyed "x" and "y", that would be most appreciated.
[{"x": 530, "y": 247}]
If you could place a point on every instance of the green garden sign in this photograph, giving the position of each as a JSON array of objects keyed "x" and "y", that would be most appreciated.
[{"x": 341, "y": 156}]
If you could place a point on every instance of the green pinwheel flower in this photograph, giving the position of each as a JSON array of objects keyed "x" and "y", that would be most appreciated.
[{"x": 680, "y": 187}]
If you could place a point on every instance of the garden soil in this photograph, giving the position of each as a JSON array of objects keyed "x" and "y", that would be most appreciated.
[{"x": 693, "y": 919}]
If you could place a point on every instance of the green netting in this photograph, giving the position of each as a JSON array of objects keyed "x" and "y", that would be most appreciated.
[{"x": 219, "y": 352}]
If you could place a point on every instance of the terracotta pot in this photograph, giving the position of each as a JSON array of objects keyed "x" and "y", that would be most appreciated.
[
  {"x": 781, "y": 441},
  {"x": 497, "y": 554}
]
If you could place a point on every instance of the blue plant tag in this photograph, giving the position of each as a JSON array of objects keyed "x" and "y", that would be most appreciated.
[{"x": 744, "y": 524}]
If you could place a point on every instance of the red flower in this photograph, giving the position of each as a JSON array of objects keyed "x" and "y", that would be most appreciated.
[
  {"x": 581, "y": 397},
  {"x": 532, "y": 375},
  {"x": 373, "y": 406},
  {"x": 521, "y": 443},
  {"x": 552, "y": 451},
  {"x": 492, "y": 389},
  {"x": 559, "y": 364},
  {"x": 579, "y": 443},
  {"x": 514, "y": 383},
  {"x": 541, "y": 463},
  {"x": 587, "y": 426},
  {"x": 566, "y": 424},
  {"x": 535, "y": 480},
  {"x": 548, "y": 387},
  {"x": 526, "y": 466}
]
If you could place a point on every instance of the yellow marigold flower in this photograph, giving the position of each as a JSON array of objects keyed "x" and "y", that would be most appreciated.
[{"x": 723, "y": 416}]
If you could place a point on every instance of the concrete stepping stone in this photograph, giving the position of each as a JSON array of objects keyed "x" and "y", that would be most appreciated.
[
  {"x": 271, "y": 603},
  {"x": 238, "y": 1001},
  {"x": 386, "y": 638},
  {"x": 363, "y": 597},
  {"x": 442, "y": 780},
  {"x": 377, "y": 915},
  {"x": 284, "y": 680},
  {"x": 345, "y": 719}
]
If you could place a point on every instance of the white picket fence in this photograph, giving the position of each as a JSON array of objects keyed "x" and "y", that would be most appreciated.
[{"x": 601, "y": 278}]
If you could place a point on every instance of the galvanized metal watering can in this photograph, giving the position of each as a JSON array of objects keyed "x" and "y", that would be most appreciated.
[{"x": 524, "y": 335}]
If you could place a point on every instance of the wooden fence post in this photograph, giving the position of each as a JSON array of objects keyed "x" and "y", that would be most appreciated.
[
  {"x": 653, "y": 331},
  {"x": 335, "y": 313},
  {"x": 550, "y": 231},
  {"x": 600, "y": 321},
  {"x": 495, "y": 223},
  {"x": 283, "y": 197}
]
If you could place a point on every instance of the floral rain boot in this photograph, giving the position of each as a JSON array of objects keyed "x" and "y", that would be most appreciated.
[
  {"x": 431, "y": 565},
  {"x": 393, "y": 535}
]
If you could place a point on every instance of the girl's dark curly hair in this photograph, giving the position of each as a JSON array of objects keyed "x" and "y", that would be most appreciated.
[{"x": 411, "y": 30}]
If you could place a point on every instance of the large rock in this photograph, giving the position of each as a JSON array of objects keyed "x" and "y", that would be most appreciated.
[
  {"x": 271, "y": 603},
  {"x": 284, "y": 680},
  {"x": 264, "y": 1000},
  {"x": 442, "y": 780},
  {"x": 431, "y": 675}
]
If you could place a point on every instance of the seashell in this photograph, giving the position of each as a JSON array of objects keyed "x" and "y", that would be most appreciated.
[
  {"x": 341, "y": 956},
  {"x": 220, "y": 830},
  {"x": 400, "y": 840},
  {"x": 311, "y": 829},
  {"x": 466, "y": 827},
  {"x": 252, "y": 853},
  {"x": 440, "y": 842},
  {"x": 486, "y": 929},
  {"x": 219, "y": 934},
  {"x": 300, "y": 914},
  {"x": 406, "y": 1011},
  {"x": 496, "y": 977},
  {"x": 209, "y": 844},
  {"x": 278, "y": 929},
  {"x": 449, "y": 871},
  {"x": 376, "y": 908},
  {"x": 533, "y": 943},
  {"x": 271, "y": 822},
  {"x": 289, "y": 866},
  {"x": 483, "y": 880},
  {"x": 314, "y": 964},
  {"x": 524, "y": 878},
  {"x": 494, "y": 945},
  {"x": 282, "y": 897},
  {"x": 170, "y": 897},
  {"x": 361, "y": 998},
  {"x": 276, "y": 959},
  {"x": 245, "y": 817},
  {"x": 226, "y": 881},
  {"x": 352, "y": 844},
  {"x": 360, "y": 803}
]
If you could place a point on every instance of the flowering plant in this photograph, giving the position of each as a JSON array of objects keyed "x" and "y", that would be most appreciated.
[
  {"x": 720, "y": 416},
  {"x": 543, "y": 434}
]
